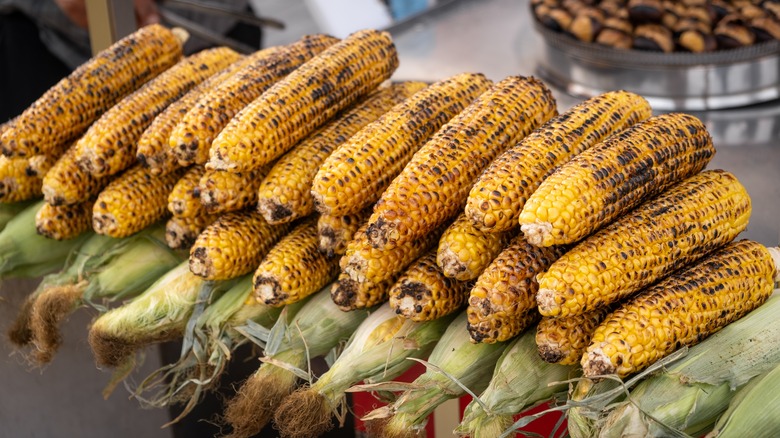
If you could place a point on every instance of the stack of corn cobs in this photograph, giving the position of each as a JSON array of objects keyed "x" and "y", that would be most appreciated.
[{"x": 463, "y": 224}]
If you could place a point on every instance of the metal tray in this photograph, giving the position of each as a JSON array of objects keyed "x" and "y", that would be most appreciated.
[{"x": 669, "y": 81}]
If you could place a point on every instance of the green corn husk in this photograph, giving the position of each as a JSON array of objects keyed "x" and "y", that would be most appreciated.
[
  {"x": 521, "y": 379},
  {"x": 753, "y": 408},
  {"x": 8, "y": 210},
  {"x": 317, "y": 328},
  {"x": 378, "y": 351},
  {"x": 456, "y": 367},
  {"x": 26, "y": 254},
  {"x": 687, "y": 397}
]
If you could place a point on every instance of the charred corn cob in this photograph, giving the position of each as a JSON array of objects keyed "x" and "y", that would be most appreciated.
[
  {"x": 39, "y": 165},
  {"x": 181, "y": 232},
  {"x": 464, "y": 251},
  {"x": 184, "y": 199},
  {"x": 285, "y": 193},
  {"x": 349, "y": 294},
  {"x": 66, "y": 110},
  {"x": 606, "y": 181},
  {"x": 683, "y": 224},
  {"x": 294, "y": 268},
  {"x": 563, "y": 340},
  {"x": 16, "y": 184},
  {"x": 496, "y": 199},
  {"x": 109, "y": 146},
  {"x": 132, "y": 202},
  {"x": 67, "y": 184},
  {"x": 65, "y": 221},
  {"x": 357, "y": 173},
  {"x": 305, "y": 99},
  {"x": 683, "y": 309},
  {"x": 335, "y": 232},
  {"x": 363, "y": 262},
  {"x": 505, "y": 292},
  {"x": 234, "y": 245},
  {"x": 423, "y": 293},
  {"x": 222, "y": 191},
  {"x": 434, "y": 186},
  {"x": 153, "y": 149},
  {"x": 192, "y": 137}
]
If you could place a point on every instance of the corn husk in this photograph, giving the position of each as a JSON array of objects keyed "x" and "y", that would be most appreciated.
[
  {"x": 296, "y": 338},
  {"x": 8, "y": 210},
  {"x": 378, "y": 350},
  {"x": 753, "y": 408},
  {"x": 521, "y": 379}
]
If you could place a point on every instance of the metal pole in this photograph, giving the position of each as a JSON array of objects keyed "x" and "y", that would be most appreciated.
[{"x": 109, "y": 21}]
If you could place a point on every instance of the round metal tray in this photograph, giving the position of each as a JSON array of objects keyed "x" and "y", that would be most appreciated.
[{"x": 669, "y": 81}]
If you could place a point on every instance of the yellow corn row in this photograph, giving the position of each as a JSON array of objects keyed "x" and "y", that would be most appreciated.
[
  {"x": 109, "y": 146},
  {"x": 67, "y": 184},
  {"x": 424, "y": 293},
  {"x": 563, "y": 340},
  {"x": 358, "y": 171},
  {"x": 505, "y": 292},
  {"x": 682, "y": 309},
  {"x": 16, "y": 184},
  {"x": 294, "y": 268},
  {"x": 305, "y": 99},
  {"x": 683, "y": 224},
  {"x": 132, "y": 202},
  {"x": 464, "y": 251},
  {"x": 234, "y": 245},
  {"x": 153, "y": 149},
  {"x": 66, "y": 110},
  {"x": 222, "y": 191},
  {"x": 65, "y": 221},
  {"x": 364, "y": 263},
  {"x": 184, "y": 199},
  {"x": 285, "y": 193},
  {"x": 335, "y": 232},
  {"x": 607, "y": 180},
  {"x": 434, "y": 186},
  {"x": 181, "y": 232},
  {"x": 349, "y": 294},
  {"x": 496, "y": 199}
]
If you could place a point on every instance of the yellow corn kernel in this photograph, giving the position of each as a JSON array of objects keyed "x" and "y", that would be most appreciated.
[
  {"x": 683, "y": 224},
  {"x": 184, "y": 199},
  {"x": 64, "y": 222},
  {"x": 305, "y": 99},
  {"x": 181, "y": 232},
  {"x": 335, "y": 232},
  {"x": 464, "y": 251},
  {"x": 357, "y": 172},
  {"x": 222, "y": 191},
  {"x": 16, "y": 184},
  {"x": 563, "y": 340},
  {"x": 67, "y": 184},
  {"x": 349, "y": 294},
  {"x": 500, "y": 192}
]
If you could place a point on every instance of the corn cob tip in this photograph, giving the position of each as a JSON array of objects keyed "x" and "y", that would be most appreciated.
[
  {"x": 409, "y": 299},
  {"x": 450, "y": 264},
  {"x": 268, "y": 290},
  {"x": 201, "y": 264},
  {"x": 382, "y": 234},
  {"x": 273, "y": 212},
  {"x": 546, "y": 300},
  {"x": 327, "y": 242},
  {"x": 181, "y": 34},
  {"x": 536, "y": 233},
  {"x": 344, "y": 294},
  {"x": 596, "y": 363},
  {"x": 177, "y": 236},
  {"x": 551, "y": 352}
]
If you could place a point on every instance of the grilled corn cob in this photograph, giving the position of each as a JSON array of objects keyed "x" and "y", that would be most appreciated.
[
  {"x": 357, "y": 173},
  {"x": 335, "y": 232},
  {"x": 685, "y": 223},
  {"x": 234, "y": 245},
  {"x": 464, "y": 251},
  {"x": 683, "y": 309},
  {"x": 64, "y": 222},
  {"x": 66, "y": 183},
  {"x": 192, "y": 137},
  {"x": 181, "y": 232},
  {"x": 16, "y": 184},
  {"x": 109, "y": 146},
  {"x": 498, "y": 196},
  {"x": 132, "y": 202},
  {"x": 222, "y": 191},
  {"x": 423, "y": 293},
  {"x": 349, "y": 294},
  {"x": 39, "y": 165},
  {"x": 304, "y": 100},
  {"x": 294, "y": 268},
  {"x": 563, "y": 340},
  {"x": 434, "y": 186},
  {"x": 285, "y": 193},
  {"x": 505, "y": 292},
  {"x": 362, "y": 262},
  {"x": 184, "y": 199},
  {"x": 66, "y": 110},
  {"x": 153, "y": 148},
  {"x": 607, "y": 180}
]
